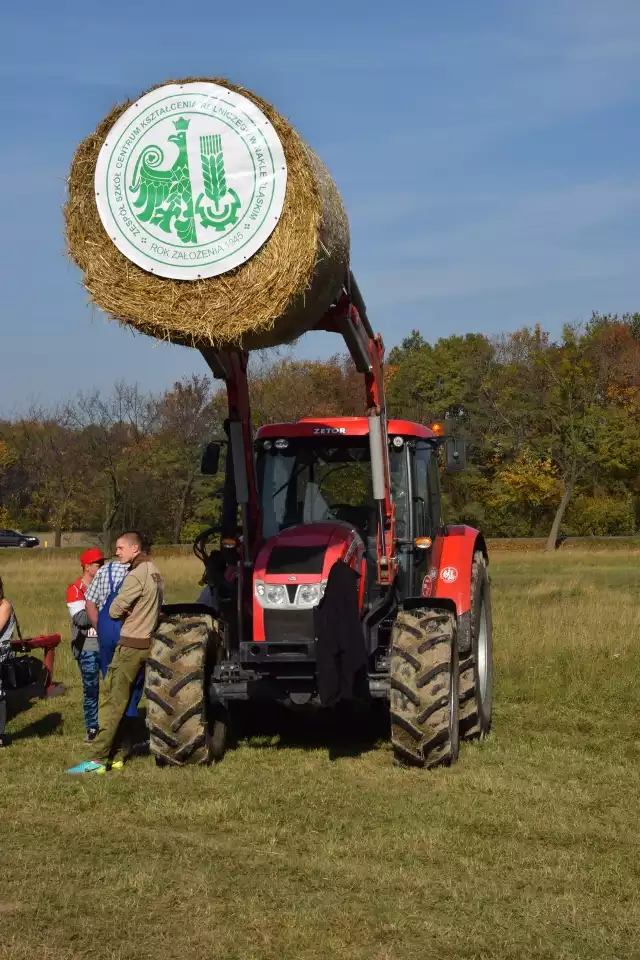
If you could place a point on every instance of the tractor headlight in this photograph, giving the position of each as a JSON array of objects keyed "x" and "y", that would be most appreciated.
[
  {"x": 308, "y": 595},
  {"x": 270, "y": 594},
  {"x": 276, "y": 595}
]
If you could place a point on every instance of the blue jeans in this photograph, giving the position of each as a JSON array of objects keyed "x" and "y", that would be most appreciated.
[{"x": 89, "y": 663}]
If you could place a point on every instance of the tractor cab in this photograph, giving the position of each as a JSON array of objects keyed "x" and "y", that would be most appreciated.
[{"x": 316, "y": 473}]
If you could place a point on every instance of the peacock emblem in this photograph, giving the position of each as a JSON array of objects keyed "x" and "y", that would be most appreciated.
[{"x": 165, "y": 197}]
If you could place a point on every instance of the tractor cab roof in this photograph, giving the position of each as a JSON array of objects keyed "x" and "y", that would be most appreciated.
[{"x": 343, "y": 426}]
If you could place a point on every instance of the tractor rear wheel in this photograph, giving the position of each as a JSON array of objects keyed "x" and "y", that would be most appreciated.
[
  {"x": 183, "y": 726},
  {"x": 476, "y": 670},
  {"x": 424, "y": 688}
]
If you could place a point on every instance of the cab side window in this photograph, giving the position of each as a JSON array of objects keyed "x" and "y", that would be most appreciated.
[
  {"x": 427, "y": 487},
  {"x": 435, "y": 507},
  {"x": 422, "y": 526}
]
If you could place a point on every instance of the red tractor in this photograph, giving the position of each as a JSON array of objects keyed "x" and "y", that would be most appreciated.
[{"x": 300, "y": 500}]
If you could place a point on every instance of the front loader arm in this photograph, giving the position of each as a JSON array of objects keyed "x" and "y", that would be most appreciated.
[
  {"x": 231, "y": 366},
  {"x": 349, "y": 318}
]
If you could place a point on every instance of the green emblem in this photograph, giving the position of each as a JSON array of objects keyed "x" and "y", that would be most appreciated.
[
  {"x": 165, "y": 197},
  {"x": 226, "y": 201},
  {"x": 165, "y": 179}
]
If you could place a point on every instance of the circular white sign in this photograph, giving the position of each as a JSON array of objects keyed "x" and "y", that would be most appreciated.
[
  {"x": 191, "y": 181},
  {"x": 449, "y": 574}
]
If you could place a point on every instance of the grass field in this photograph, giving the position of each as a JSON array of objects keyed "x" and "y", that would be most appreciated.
[{"x": 307, "y": 845}]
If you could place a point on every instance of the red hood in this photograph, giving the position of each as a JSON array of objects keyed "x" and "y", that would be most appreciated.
[
  {"x": 317, "y": 545},
  {"x": 305, "y": 554},
  {"x": 311, "y": 534}
]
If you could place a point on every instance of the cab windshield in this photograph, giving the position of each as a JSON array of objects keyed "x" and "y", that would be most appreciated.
[{"x": 308, "y": 480}]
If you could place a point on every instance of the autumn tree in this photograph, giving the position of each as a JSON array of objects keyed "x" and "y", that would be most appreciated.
[
  {"x": 559, "y": 401},
  {"x": 553, "y": 430},
  {"x": 55, "y": 458},
  {"x": 521, "y": 494},
  {"x": 8, "y": 460},
  {"x": 188, "y": 417},
  {"x": 288, "y": 389},
  {"x": 116, "y": 430}
]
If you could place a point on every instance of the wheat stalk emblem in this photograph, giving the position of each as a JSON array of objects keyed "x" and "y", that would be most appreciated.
[{"x": 226, "y": 202}]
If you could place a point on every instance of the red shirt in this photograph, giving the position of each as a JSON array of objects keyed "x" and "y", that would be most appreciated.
[{"x": 76, "y": 592}]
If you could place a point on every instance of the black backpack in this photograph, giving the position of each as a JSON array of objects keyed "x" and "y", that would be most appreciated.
[{"x": 20, "y": 671}]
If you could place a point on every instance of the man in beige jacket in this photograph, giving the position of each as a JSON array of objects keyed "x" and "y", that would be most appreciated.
[{"x": 137, "y": 605}]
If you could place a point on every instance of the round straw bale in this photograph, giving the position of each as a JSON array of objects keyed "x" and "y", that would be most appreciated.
[{"x": 272, "y": 298}]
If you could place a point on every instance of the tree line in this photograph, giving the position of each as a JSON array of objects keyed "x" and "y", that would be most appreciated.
[{"x": 553, "y": 431}]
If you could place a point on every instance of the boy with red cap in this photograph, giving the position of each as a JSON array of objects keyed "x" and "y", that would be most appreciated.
[{"x": 84, "y": 639}]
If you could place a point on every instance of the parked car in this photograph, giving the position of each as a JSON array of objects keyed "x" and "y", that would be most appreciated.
[{"x": 13, "y": 538}]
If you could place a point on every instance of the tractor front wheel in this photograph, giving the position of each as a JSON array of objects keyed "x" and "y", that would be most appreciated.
[
  {"x": 184, "y": 728},
  {"x": 424, "y": 688}
]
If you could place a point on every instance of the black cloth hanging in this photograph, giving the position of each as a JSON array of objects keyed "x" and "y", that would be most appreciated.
[{"x": 341, "y": 657}]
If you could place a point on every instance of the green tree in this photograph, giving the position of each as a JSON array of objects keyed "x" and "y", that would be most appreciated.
[
  {"x": 441, "y": 381},
  {"x": 566, "y": 397}
]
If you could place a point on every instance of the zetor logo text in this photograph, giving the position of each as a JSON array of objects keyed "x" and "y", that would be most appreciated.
[
  {"x": 449, "y": 574},
  {"x": 324, "y": 430}
]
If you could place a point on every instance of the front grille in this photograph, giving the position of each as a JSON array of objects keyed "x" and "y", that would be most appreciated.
[
  {"x": 288, "y": 626},
  {"x": 292, "y": 589},
  {"x": 294, "y": 560}
]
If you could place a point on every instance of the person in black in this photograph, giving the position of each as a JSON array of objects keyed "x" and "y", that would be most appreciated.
[
  {"x": 8, "y": 629},
  {"x": 341, "y": 658}
]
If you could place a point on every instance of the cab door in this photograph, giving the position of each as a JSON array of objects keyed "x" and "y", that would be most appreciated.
[{"x": 425, "y": 511}]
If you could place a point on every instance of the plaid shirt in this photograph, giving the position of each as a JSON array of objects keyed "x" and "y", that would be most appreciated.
[{"x": 99, "y": 589}]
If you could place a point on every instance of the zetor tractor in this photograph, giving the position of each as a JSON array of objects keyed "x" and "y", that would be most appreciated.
[{"x": 297, "y": 499}]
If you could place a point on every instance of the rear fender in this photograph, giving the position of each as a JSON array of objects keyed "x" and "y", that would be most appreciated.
[{"x": 449, "y": 575}]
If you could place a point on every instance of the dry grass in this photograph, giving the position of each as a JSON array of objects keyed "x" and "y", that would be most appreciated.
[
  {"x": 305, "y": 845},
  {"x": 581, "y": 544},
  {"x": 274, "y": 297}
]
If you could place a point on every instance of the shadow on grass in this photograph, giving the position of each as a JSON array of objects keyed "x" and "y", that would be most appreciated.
[
  {"x": 45, "y": 726},
  {"x": 348, "y": 730},
  {"x": 25, "y": 698},
  {"x": 132, "y": 736}
]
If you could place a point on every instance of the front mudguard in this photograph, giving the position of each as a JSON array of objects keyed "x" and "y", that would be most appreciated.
[
  {"x": 463, "y": 620},
  {"x": 450, "y": 573}
]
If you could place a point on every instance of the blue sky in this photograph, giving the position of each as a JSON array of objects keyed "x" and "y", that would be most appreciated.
[{"x": 487, "y": 153}]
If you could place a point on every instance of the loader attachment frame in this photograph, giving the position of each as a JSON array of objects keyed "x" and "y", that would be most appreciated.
[{"x": 347, "y": 317}]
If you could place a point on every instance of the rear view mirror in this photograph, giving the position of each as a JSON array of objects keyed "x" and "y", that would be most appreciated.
[
  {"x": 210, "y": 459},
  {"x": 455, "y": 455}
]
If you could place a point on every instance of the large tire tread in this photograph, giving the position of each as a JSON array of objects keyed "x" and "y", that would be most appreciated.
[
  {"x": 175, "y": 687},
  {"x": 424, "y": 662}
]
